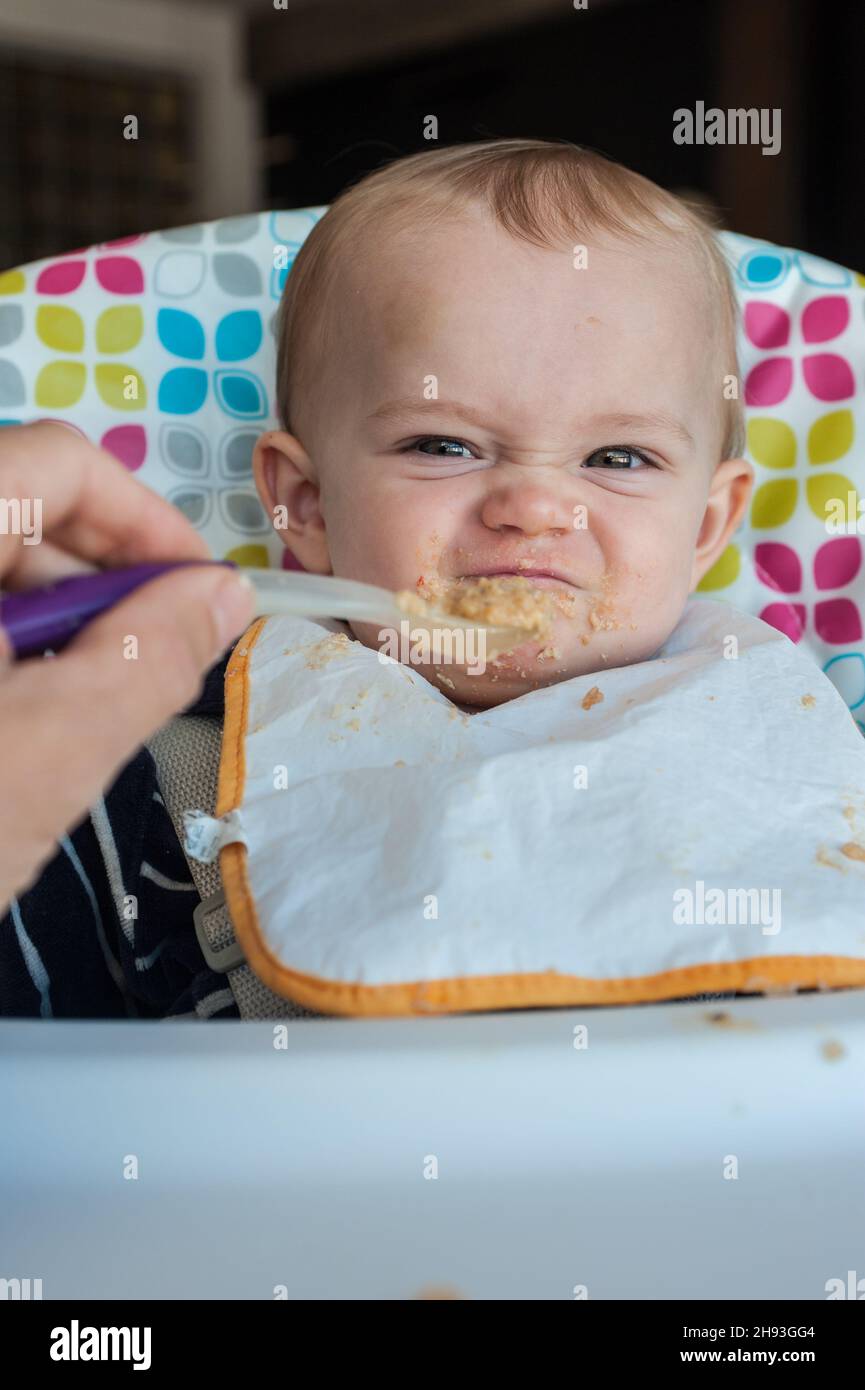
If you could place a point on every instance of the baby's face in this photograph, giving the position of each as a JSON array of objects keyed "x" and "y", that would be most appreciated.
[{"x": 494, "y": 409}]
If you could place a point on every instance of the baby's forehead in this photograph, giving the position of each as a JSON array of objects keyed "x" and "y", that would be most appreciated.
[
  {"x": 473, "y": 293},
  {"x": 470, "y": 263}
]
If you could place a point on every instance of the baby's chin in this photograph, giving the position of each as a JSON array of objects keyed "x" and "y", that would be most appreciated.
[{"x": 530, "y": 666}]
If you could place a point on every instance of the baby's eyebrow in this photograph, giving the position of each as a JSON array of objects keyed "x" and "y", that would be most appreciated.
[
  {"x": 410, "y": 405},
  {"x": 654, "y": 419},
  {"x": 618, "y": 420}
]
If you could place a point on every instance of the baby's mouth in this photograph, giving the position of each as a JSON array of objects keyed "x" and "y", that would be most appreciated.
[
  {"x": 564, "y": 594},
  {"x": 539, "y": 578}
]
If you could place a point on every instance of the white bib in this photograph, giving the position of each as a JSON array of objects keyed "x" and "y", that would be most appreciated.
[{"x": 691, "y": 823}]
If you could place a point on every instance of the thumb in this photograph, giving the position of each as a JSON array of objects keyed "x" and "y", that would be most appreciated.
[{"x": 133, "y": 668}]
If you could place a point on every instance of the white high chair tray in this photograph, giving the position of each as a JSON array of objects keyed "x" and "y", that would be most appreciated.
[{"x": 557, "y": 1167}]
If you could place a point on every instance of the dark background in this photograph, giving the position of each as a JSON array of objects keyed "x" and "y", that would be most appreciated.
[
  {"x": 343, "y": 86},
  {"x": 611, "y": 77}
]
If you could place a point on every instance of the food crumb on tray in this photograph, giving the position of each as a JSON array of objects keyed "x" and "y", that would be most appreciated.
[{"x": 592, "y": 697}]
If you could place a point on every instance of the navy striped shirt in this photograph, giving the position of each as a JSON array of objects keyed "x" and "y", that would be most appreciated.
[{"x": 107, "y": 931}]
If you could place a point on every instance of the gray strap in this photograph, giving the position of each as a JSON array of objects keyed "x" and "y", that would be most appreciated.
[{"x": 186, "y": 753}]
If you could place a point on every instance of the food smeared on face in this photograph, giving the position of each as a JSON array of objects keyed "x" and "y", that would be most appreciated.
[
  {"x": 602, "y": 615},
  {"x": 508, "y": 601}
]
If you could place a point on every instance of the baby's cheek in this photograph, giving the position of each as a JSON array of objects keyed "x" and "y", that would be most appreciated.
[
  {"x": 403, "y": 531},
  {"x": 654, "y": 608},
  {"x": 365, "y": 544},
  {"x": 652, "y": 599},
  {"x": 631, "y": 612}
]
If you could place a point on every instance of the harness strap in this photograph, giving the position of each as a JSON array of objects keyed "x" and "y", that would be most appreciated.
[{"x": 186, "y": 752}]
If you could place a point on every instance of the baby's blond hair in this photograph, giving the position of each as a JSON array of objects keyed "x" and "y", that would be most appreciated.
[{"x": 546, "y": 192}]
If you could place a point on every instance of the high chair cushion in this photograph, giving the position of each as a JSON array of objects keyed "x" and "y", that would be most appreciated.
[{"x": 161, "y": 348}]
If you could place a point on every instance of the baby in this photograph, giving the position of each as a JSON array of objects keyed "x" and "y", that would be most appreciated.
[{"x": 510, "y": 358}]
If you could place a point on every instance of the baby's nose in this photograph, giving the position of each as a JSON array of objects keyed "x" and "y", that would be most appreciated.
[{"x": 527, "y": 506}]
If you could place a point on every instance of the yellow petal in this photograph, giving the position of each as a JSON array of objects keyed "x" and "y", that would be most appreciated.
[
  {"x": 830, "y": 437},
  {"x": 771, "y": 442},
  {"x": 120, "y": 386},
  {"x": 60, "y": 328},
  {"x": 255, "y": 555},
  {"x": 119, "y": 329},
  {"x": 826, "y": 488},
  {"x": 774, "y": 503},
  {"x": 60, "y": 384},
  {"x": 12, "y": 282},
  {"x": 724, "y": 572}
]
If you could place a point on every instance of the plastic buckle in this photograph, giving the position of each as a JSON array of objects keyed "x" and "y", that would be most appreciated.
[{"x": 227, "y": 957}]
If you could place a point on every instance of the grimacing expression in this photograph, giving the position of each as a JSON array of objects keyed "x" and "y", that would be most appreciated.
[{"x": 493, "y": 407}]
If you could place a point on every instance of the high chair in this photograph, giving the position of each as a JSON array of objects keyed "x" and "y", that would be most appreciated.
[{"x": 701, "y": 1149}]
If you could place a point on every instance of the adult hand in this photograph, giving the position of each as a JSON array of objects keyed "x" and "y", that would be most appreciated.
[{"x": 69, "y": 723}]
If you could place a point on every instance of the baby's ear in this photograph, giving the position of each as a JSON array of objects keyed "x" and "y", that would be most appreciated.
[
  {"x": 729, "y": 494},
  {"x": 287, "y": 486}
]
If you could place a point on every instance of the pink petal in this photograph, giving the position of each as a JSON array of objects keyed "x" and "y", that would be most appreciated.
[
  {"x": 825, "y": 318},
  {"x": 769, "y": 382},
  {"x": 778, "y": 567},
  {"x": 828, "y": 376},
  {"x": 837, "y": 563},
  {"x": 788, "y": 618},
  {"x": 837, "y": 621},
  {"x": 126, "y": 240},
  {"x": 128, "y": 443},
  {"x": 61, "y": 278},
  {"x": 767, "y": 325},
  {"x": 120, "y": 275}
]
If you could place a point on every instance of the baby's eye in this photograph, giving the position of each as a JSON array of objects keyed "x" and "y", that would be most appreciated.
[
  {"x": 617, "y": 456},
  {"x": 450, "y": 446}
]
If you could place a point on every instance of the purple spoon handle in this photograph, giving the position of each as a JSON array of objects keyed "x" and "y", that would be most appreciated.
[{"x": 45, "y": 619}]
